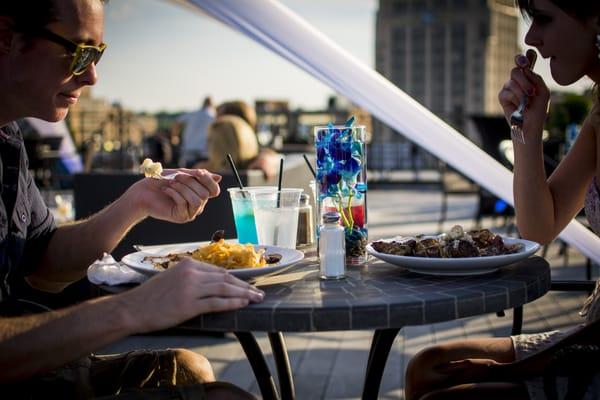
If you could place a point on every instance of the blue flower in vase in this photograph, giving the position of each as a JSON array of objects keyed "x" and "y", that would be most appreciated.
[
  {"x": 357, "y": 149},
  {"x": 361, "y": 189},
  {"x": 322, "y": 153},
  {"x": 352, "y": 166},
  {"x": 340, "y": 150}
]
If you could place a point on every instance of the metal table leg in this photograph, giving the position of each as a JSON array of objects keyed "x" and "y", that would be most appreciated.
[
  {"x": 380, "y": 349},
  {"x": 282, "y": 361},
  {"x": 265, "y": 380}
]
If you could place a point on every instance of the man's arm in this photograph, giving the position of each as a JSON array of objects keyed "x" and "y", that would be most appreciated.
[
  {"x": 39, "y": 343},
  {"x": 74, "y": 247}
]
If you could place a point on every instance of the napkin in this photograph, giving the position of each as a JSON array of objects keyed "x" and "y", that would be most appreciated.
[{"x": 106, "y": 271}]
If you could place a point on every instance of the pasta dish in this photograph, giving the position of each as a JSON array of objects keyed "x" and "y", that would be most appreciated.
[{"x": 220, "y": 253}]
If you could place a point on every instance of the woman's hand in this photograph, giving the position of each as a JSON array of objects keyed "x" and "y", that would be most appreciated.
[
  {"x": 524, "y": 82},
  {"x": 176, "y": 200},
  {"x": 182, "y": 292}
]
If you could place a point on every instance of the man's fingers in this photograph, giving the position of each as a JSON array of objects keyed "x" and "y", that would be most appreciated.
[
  {"x": 224, "y": 289},
  {"x": 220, "y": 304},
  {"x": 206, "y": 273}
]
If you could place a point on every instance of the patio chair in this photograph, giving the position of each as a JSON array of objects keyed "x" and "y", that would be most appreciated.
[{"x": 453, "y": 183}]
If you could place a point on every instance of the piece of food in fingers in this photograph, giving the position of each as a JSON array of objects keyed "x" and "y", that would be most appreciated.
[{"x": 151, "y": 169}]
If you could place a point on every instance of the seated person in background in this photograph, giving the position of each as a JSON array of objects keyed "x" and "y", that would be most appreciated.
[
  {"x": 46, "y": 355},
  {"x": 484, "y": 368},
  {"x": 230, "y": 134},
  {"x": 239, "y": 108},
  {"x": 234, "y": 130}
]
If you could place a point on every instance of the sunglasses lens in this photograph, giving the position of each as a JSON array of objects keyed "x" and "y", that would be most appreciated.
[{"x": 84, "y": 58}]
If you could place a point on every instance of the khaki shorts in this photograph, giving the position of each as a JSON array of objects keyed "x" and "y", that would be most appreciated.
[{"x": 140, "y": 374}]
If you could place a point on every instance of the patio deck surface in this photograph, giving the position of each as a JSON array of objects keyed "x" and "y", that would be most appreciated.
[{"x": 331, "y": 365}]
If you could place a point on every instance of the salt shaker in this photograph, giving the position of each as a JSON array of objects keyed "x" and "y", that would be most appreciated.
[
  {"x": 332, "y": 247},
  {"x": 305, "y": 235}
]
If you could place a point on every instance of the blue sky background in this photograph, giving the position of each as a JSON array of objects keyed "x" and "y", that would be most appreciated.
[{"x": 165, "y": 57}]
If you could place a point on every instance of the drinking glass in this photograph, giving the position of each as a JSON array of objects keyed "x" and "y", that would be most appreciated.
[
  {"x": 276, "y": 216},
  {"x": 243, "y": 213}
]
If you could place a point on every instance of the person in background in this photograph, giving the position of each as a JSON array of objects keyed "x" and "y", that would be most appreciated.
[
  {"x": 193, "y": 136},
  {"x": 48, "y": 53},
  {"x": 568, "y": 33},
  {"x": 238, "y": 108},
  {"x": 267, "y": 159},
  {"x": 230, "y": 134}
]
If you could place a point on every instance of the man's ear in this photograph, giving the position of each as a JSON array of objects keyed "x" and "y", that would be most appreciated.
[{"x": 6, "y": 34}]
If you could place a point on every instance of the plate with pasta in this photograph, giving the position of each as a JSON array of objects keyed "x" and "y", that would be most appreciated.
[{"x": 241, "y": 260}]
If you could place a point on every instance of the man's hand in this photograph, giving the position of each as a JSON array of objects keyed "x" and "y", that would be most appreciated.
[
  {"x": 184, "y": 291},
  {"x": 178, "y": 200}
]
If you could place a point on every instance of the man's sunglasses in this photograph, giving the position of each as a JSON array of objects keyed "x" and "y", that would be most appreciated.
[{"x": 83, "y": 54}]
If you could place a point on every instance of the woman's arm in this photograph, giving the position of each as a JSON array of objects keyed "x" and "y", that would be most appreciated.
[{"x": 544, "y": 206}]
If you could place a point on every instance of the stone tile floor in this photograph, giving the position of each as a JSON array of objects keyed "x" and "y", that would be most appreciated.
[{"x": 330, "y": 365}]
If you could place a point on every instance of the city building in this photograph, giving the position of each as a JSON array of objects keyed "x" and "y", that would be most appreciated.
[{"x": 452, "y": 56}]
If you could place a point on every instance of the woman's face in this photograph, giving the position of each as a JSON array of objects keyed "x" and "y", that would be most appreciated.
[
  {"x": 568, "y": 42},
  {"x": 40, "y": 76}
]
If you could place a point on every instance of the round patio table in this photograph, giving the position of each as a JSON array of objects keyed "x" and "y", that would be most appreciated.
[{"x": 377, "y": 296}]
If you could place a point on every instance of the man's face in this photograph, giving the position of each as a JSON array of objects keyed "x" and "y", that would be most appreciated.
[{"x": 42, "y": 83}]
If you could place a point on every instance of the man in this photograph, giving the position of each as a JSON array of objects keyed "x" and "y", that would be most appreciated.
[
  {"x": 48, "y": 52},
  {"x": 193, "y": 138}
]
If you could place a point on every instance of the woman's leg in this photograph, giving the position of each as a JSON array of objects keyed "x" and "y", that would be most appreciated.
[
  {"x": 478, "y": 391},
  {"x": 421, "y": 374}
]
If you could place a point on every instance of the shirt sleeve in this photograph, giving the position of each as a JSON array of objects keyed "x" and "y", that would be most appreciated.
[{"x": 40, "y": 229}]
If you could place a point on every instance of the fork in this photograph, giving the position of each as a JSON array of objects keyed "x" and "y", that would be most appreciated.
[
  {"x": 168, "y": 177},
  {"x": 516, "y": 118}
]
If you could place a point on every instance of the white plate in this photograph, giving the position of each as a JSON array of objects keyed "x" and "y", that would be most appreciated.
[
  {"x": 136, "y": 260},
  {"x": 458, "y": 266}
]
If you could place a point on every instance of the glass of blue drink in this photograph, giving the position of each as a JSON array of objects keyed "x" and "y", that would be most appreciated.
[{"x": 243, "y": 213}]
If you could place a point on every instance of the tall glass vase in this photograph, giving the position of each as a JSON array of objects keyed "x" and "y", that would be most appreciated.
[{"x": 342, "y": 183}]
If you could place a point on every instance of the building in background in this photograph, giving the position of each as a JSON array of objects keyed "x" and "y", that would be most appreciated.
[
  {"x": 452, "y": 56},
  {"x": 292, "y": 130}
]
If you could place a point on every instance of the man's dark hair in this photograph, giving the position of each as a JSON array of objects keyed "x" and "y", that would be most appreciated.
[{"x": 29, "y": 16}]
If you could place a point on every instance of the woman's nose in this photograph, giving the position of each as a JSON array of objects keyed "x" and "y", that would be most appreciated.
[{"x": 532, "y": 38}]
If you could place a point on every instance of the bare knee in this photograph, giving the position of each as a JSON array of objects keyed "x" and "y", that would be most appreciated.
[
  {"x": 192, "y": 367},
  {"x": 421, "y": 370}
]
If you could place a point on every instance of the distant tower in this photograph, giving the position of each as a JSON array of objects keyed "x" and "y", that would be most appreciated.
[{"x": 450, "y": 55}]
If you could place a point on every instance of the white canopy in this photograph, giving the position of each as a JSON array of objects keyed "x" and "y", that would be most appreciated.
[{"x": 278, "y": 28}]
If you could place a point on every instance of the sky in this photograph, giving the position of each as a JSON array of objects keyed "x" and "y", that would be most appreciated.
[{"x": 163, "y": 57}]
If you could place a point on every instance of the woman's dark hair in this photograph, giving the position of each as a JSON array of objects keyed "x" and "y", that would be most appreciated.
[{"x": 579, "y": 9}]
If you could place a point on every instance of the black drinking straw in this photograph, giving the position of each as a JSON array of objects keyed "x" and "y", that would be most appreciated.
[
  {"x": 279, "y": 182},
  {"x": 312, "y": 171},
  {"x": 237, "y": 175}
]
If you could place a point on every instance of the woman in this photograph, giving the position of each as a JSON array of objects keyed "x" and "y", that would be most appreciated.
[
  {"x": 568, "y": 33},
  {"x": 230, "y": 134}
]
